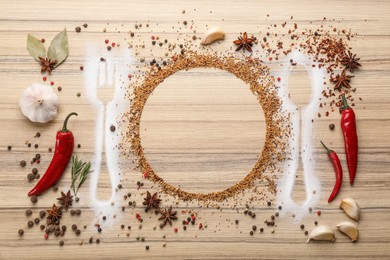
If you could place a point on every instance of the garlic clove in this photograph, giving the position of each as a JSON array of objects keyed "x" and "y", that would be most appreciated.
[
  {"x": 39, "y": 103},
  {"x": 350, "y": 229},
  {"x": 351, "y": 208},
  {"x": 213, "y": 34},
  {"x": 322, "y": 233}
]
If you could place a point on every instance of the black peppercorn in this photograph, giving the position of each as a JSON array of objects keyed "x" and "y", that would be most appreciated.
[
  {"x": 22, "y": 163},
  {"x": 78, "y": 29}
]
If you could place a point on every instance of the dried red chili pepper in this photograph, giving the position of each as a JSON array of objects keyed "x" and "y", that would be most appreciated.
[
  {"x": 348, "y": 126},
  {"x": 62, "y": 154},
  {"x": 338, "y": 170}
]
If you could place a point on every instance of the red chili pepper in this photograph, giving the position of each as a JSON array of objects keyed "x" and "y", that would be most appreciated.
[
  {"x": 62, "y": 153},
  {"x": 338, "y": 170},
  {"x": 348, "y": 126}
]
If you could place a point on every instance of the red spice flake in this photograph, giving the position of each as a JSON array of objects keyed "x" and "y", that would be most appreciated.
[
  {"x": 270, "y": 58},
  {"x": 38, "y": 161},
  {"x": 81, "y": 67},
  {"x": 129, "y": 76},
  {"x": 106, "y": 41},
  {"x": 200, "y": 225},
  {"x": 278, "y": 78},
  {"x": 113, "y": 44},
  {"x": 46, "y": 236},
  {"x": 52, "y": 83},
  {"x": 153, "y": 38},
  {"x": 175, "y": 229},
  {"x": 319, "y": 213},
  {"x": 44, "y": 78},
  {"x": 43, "y": 40}
]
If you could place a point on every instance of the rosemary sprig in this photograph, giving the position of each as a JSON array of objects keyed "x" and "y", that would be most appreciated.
[{"x": 80, "y": 172}]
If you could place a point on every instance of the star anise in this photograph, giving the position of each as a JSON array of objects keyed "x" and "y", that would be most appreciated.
[
  {"x": 55, "y": 213},
  {"x": 342, "y": 80},
  {"x": 47, "y": 64},
  {"x": 349, "y": 60},
  {"x": 167, "y": 215},
  {"x": 244, "y": 42},
  {"x": 151, "y": 201},
  {"x": 65, "y": 200}
]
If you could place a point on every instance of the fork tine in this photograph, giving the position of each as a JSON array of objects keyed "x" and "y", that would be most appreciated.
[
  {"x": 110, "y": 73},
  {"x": 102, "y": 74}
]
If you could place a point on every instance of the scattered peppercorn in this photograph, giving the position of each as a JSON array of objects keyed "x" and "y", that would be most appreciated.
[
  {"x": 34, "y": 171},
  {"x": 22, "y": 163},
  {"x": 85, "y": 25},
  {"x": 97, "y": 241},
  {"x": 306, "y": 232},
  {"x": 78, "y": 29},
  {"x": 316, "y": 223},
  {"x": 61, "y": 242},
  {"x": 34, "y": 199},
  {"x": 78, "y": 232},
  {"x": 21, "y": 232},
  {"x": 236, "y": 221},
  {"x": 302, "y": 226},
  {"x": 147, "y": 247},
  {"x": 28, "y": 212},
  {"x": 30, "y": 223},
  {"x": 331, "y": 126},
  {"x": 42, "y": 213},
  {"x": 9, "y": 148},
  {"x": 261, "y": 230},
  {"x": 30, "y": 176},
  {"x": 269, "y": 203},
  {"x": 251, "y": 233}
]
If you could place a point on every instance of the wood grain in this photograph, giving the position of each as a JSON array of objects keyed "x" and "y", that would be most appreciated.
[{"x": 203, "y": 130}]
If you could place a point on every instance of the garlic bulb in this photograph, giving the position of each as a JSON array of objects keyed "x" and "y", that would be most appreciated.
[{"x": 39, "y": 103}]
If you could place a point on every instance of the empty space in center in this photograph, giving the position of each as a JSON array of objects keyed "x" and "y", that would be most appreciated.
[{"x": 202, "y": 130}]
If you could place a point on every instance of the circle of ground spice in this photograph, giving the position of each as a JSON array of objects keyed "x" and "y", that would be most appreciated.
[{"x": 261, "y": 84}]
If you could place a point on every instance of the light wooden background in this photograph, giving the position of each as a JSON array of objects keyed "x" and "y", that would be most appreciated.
[{"x": 202, "y": 134}]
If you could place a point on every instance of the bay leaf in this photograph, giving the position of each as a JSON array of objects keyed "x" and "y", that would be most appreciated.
[
  {"x": 59, "y": 48},
  {"x": 35, "y": 47}
]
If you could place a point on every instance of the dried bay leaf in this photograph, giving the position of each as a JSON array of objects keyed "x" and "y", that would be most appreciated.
[
  {"x": 59, "y": 48},
  {"x": 35, "y": 47}
]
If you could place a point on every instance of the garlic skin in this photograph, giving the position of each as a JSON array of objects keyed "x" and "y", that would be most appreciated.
[
  {"x": 322, "y": 233},
  {"x": 39, "y": 103},
  {"x": 350, "y": 229},
  {"x": 213, "y": 34},
  {"x": 351, "y": 208}
]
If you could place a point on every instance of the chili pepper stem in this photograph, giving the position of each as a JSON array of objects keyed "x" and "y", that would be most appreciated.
[
  {"x": 345, "y": 103},
  {"x": 64, "y": 127},
  {"x": 327, "y": 149}
]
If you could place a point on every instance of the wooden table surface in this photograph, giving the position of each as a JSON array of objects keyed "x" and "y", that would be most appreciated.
[{"x": 223, "y": 117}]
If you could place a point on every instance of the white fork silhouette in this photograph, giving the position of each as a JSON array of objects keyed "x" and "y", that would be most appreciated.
[{"x": 101, "y": 76}]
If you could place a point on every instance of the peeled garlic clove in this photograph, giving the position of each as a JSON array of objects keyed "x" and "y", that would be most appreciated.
[
  {"x": 351, "y": 208},
  {"x": 39, "y": 103},
  {"x": 322, "y": 233},
  {"x": 350, "y": 229},
  {"x": 213, "y": 34}
]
